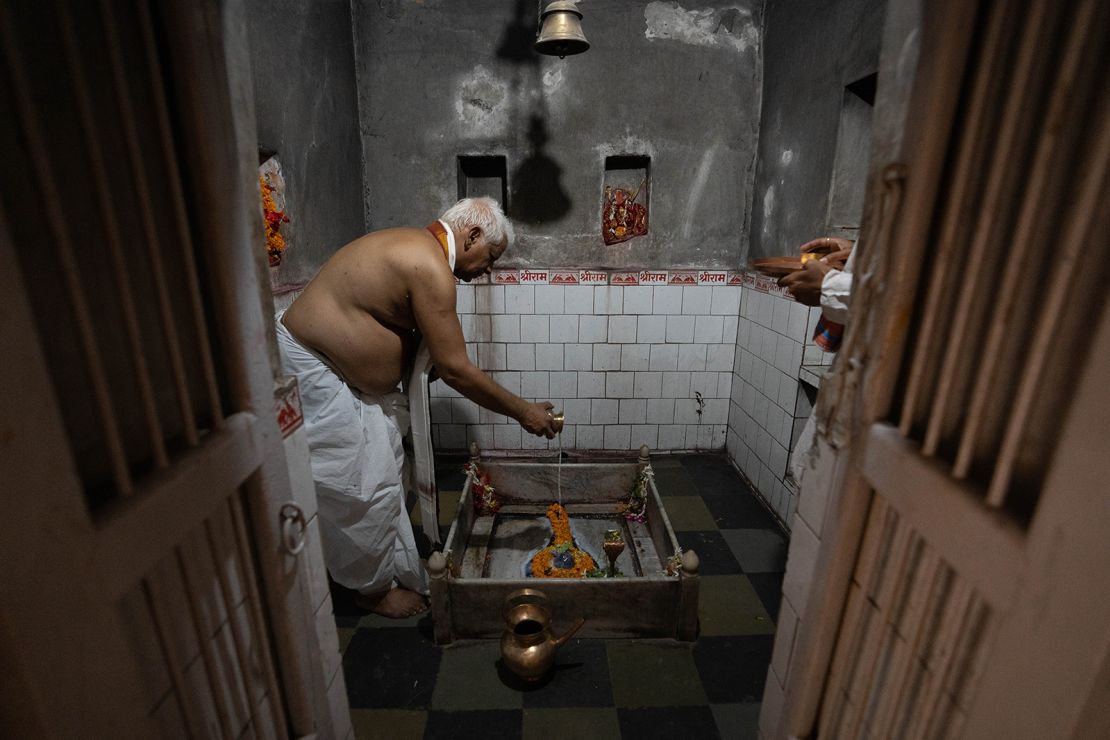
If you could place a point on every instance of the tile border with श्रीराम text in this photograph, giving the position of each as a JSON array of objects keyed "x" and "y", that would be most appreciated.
[
  {"x": 621, "y": 278},
  {"x": 534, "y": 277},
  {"x": 593, "y": 277}
]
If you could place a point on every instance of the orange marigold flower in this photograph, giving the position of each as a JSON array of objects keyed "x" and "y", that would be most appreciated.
[
  {"x": 543, "y": 564},
  {"x": 273, "y": 218}
]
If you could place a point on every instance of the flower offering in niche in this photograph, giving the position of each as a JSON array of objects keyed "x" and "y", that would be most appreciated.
[
  {"x": 274, "y": 218},
  {"x": 622, "y": 218}
]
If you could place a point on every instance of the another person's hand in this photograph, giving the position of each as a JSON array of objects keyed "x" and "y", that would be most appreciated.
[
  {"x": 537, "y": 419},
  {"x": 805, "y": 284},
  {"x": 838, "y": 259},
  {"x": 838, "y": 249}
]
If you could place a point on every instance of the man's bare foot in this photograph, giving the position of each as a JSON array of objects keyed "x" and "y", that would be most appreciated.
[{"x": 396, "y": 603}]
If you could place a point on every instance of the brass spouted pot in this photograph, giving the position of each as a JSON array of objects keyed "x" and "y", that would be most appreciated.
[{"x": 527, "y": 645}]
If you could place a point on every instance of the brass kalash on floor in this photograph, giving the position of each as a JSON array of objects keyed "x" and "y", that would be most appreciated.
[{"x": 539, "y": 548}]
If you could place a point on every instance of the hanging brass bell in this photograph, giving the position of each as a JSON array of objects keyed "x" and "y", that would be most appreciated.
[{"x": 561, "y": 30}]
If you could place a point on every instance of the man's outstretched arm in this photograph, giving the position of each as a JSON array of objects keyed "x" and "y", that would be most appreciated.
[{"x": 433, "y": 303}]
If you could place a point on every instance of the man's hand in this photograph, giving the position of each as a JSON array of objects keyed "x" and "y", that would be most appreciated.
[
  {"x": 537, "y": 419},
  {"x": 805, "y": 284}
]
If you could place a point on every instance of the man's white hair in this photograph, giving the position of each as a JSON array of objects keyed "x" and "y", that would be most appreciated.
[{"x": 486, "y": 214}]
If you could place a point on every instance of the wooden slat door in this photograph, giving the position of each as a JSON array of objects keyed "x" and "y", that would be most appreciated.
[
  {"x": 145, "y": 589},
  {"x": 964, "y": 589}
]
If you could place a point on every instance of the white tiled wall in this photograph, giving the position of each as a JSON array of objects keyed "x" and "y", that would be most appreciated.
[
  {"x": 802, "y": 558},
  {"x": 626, "y": 364},
  {"x": 765, "y": 416}
]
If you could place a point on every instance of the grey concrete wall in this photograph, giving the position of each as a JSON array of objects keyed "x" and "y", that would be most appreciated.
[
  {"x": 812, "y": 49},
  {"x": 302, "y": 60},
  {"x": 677, "y": 82}
]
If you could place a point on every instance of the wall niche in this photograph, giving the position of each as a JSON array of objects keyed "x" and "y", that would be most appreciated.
[
  {"x": 853, "y": 151},
  {"x": 625, "y": 199},
  {"x": 483, "y": 175}
]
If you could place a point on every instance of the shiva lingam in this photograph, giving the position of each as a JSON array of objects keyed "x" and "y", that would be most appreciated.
[
  {"x": 527, "y": 645},
  {"x": 562, "y": 558},
  {"x": 613, "y": 546},
  {"x": 489, "y": 554}
]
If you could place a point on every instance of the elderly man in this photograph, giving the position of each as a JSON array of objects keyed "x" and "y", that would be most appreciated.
[{"x": 349, "y": 338}]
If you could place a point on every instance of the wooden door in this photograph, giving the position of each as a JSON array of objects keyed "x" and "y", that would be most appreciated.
[
  {"x": 145, "y": 590},
  {"x": 963, "y": 592}
]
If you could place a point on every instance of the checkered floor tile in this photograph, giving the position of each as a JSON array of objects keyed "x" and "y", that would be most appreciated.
[{"x": 401, "y": 685}]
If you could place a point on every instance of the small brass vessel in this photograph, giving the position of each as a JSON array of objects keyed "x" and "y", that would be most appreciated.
[
  {"x": 557, "y": 422},
  {"x": 527, "y": 645},
  {"x": 613, "y": 546}
]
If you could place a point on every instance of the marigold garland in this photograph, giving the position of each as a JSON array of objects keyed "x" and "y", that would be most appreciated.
[
  {"x": 275, "y": 242},
  {"x": 543, "y": 564},
  {"x": 560, "y": 524},
  {"x": 674, "y": 564},
  {"x": 635, "y": 509},
  {"x": 482, "y": 494}
]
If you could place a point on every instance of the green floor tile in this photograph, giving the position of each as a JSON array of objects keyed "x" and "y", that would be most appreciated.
[
  {"x": 564, "y": 724},
  {"x": 674, "y": 481},
  {"x": 688, "y": 513},
  {"x": 388, "y": 724},
  {"x": 666, "y": 462},
  {"x": 469, "y": 679},
  {"x": 757, "y": 550},
  {"x": 654, "y": 674},
  {"x": 728, "y": 605},
  {"x": 737, "y": 721},
  {"x": 448, "y": 505},
  {"x": 345, "y": 635}
]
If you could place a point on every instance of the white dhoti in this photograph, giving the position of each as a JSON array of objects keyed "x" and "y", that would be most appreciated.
[
  {"x": 357, "y": 461},
  {"x": 804, "y": 454}
]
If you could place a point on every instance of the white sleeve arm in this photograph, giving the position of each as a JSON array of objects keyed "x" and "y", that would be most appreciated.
[
  {"x": 836, "y": 292},
  {"x": 836, "y": 295}
]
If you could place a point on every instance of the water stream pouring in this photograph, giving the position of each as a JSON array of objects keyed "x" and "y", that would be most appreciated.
[{"x": 557, "y": 425}]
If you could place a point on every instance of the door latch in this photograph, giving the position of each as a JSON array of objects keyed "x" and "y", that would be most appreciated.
[{"x": 293, "y": 528}]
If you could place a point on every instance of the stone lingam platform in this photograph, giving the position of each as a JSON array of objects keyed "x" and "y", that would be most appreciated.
[{"x": 503, "y": 522}]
